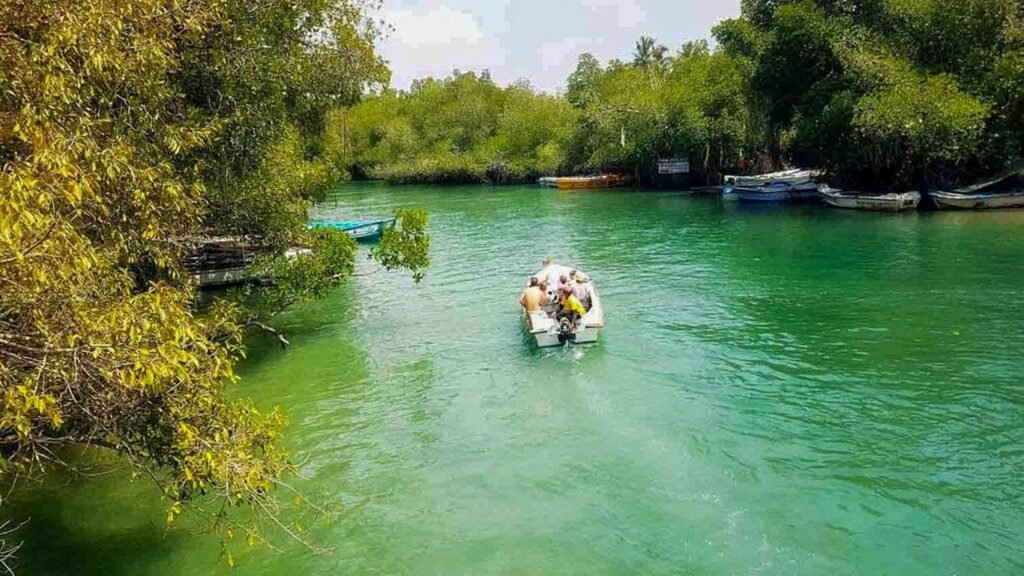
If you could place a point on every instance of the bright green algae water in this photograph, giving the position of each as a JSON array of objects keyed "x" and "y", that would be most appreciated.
[{"x": 779, "y": 391}]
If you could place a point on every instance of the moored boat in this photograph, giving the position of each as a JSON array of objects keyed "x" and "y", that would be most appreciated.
[
  {"x": 550, "y": 330},
  {"x": 1002, "y": 190},
  {"x": 777, "y": 192},
  {"x": 796, "y": 176},
  {"x": 894, "y": 202},
  {"x": 359, "y": 230},
  {"x": 979, "y": 201},
  {"x": 548, "y": 182},
  {"x": 588, "y": 182}
]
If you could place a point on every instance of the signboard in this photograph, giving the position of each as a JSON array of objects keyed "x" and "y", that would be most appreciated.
[{"x": 673, "y": 166}]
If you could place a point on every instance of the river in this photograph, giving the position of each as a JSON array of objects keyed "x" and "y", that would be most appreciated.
[{"x": 790, "y": 390}]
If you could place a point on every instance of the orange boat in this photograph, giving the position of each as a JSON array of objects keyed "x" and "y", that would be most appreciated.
[{"x": 592, "y": 182}]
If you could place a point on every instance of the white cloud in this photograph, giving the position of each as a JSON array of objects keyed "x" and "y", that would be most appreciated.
[
  {"x": 534, "y": 39},
  {"x": 435, "y": 41},
  {"x": 438, "y": 26},
  {"x": 563, "y": 53}
]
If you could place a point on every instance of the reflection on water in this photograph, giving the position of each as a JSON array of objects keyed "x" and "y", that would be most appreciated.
[{"x": 784, "y": 391}]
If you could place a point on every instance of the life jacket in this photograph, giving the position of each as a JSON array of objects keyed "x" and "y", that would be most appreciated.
[{"x": 571, "y": 304}]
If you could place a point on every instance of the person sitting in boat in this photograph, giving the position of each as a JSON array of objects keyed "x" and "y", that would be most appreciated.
[
  {"x": 580, "y": 289},
  {"x": 578, "y": 276},
  {"x": 551, "y": 273},
  {"x": 533, "y": 297},
  {"x": 571, "y": 308},
  {"x": 549, "y": 303}
]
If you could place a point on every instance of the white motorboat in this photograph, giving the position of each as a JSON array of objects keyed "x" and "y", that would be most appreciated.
[{"x": 550, "y": 330}]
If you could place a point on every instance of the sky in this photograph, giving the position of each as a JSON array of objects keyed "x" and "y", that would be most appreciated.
[{"x": 538, "y": 40}]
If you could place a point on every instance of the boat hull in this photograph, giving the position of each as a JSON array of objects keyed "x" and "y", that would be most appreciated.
[
  {"x": 543, "y": 325},
  {"x": 584, "y": 335},
  {"x": 778, "y": 192},
  {"x": 755, "y": 196},
  {"x": 791, "y": 177},
  {"x": 589, "y": 182},
  {"x": 991, "y": 201},
  {"x": 879, "y": 203},
  {"x": 368, "y": 231}
]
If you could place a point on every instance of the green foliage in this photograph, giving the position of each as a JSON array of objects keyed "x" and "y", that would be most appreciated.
[
  {"x": 649, "y": 55},
  {"x": 581, "y": 87},
  {"x": 301, "y": 275},
  {"x": 130, "y": 130},
  {"x": 407, "y": 246},
  {"x": 884, "y": 92},
  {"x": 921, "y": 119},
  {"x": 880, "y": 92},
  {"x": 460, "y": 129},
  {"x": 688, "y": 105}
]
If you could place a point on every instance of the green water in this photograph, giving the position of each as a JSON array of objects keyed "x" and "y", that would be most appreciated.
[{"x": 778, "y": 391}]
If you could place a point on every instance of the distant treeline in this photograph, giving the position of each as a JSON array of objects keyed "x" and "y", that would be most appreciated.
[{"x": 881, "y": 93}]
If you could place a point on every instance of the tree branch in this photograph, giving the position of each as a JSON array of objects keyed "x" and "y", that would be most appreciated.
[{"x": 280, "y": 337}]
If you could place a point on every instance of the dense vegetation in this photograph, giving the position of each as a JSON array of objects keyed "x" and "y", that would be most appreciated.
[
  {"x": 461, "y": 129},
  {"x": 882, "y": 93},
  {"x": 129, "y": 131}
]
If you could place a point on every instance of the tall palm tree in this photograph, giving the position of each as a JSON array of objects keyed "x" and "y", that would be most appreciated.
[{"x": 649, "y": 54}]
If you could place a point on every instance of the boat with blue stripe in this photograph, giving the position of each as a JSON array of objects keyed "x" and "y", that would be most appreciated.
[
  {"x": 778, "y": 192},
  {"x": 359, "y": 230}
]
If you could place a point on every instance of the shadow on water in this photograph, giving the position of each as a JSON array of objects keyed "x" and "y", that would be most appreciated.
[{"x": 66, "y": 528}]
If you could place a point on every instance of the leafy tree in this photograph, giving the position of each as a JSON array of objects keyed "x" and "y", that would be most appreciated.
[
  {"x": 883, "y": 92},
  {"x": 460, "y": 129},
  {"x": 649, "y": 54},
  {"x": 129, "y": 130},
  {"x": 582, "y": 83}
]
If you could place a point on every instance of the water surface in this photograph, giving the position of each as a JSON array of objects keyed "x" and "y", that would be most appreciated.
[{"x": 779, "y": 391}]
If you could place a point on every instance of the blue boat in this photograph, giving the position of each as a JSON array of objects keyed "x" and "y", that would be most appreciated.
[
  {"x": 777, "y": 192},
  {"x": 769, "y": 193},
  {"x": 359, "y": 230}
]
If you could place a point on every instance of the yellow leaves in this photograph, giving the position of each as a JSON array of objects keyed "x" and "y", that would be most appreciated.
[
  {"x": 24, "y": 409},
  {"x": 174, "y": 512},
  {"x": 187, "y": 431},
  {"x": 101, "y": 144}
]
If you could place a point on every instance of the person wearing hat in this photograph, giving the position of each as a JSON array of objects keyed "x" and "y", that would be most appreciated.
[
  {"x": 579, "y": 276},
  {"x": 579, "y": 288}
]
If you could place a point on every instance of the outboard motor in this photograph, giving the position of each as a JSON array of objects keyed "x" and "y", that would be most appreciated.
[{"x": 566, "y": 331}]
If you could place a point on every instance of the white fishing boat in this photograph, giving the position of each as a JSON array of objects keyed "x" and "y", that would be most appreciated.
[
  {"x": 550, "y": 330},
  {"x": 793, "y": 177},
  {"x": 895, "y": 202},
  {"x": 1000, "y": 191},
  {"x": 979, "y": 201}
]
